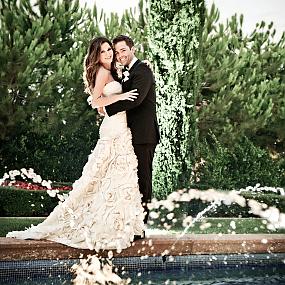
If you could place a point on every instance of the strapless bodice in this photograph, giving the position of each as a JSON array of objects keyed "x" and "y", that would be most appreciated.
[
  {"x": 113, "y": 87},
  {"x": 115, "y": 125}
]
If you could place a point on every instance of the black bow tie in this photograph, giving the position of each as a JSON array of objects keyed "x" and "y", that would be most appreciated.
[{"x": 126, "y": 68}]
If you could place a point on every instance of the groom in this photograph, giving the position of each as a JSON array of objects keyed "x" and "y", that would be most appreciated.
[{"x": 141, "y": 113}]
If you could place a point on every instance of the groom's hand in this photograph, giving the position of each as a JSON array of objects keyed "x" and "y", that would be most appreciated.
[{"x": 101, "y": 111}]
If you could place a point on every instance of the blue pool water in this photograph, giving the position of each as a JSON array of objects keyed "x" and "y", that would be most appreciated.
[
  {"x": 219, "y": 276},
  {"x": 234, "y": 269},
  {"x": 245, "y": 276}
]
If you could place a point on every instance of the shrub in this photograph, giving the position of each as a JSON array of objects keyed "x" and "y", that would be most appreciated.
[
  {"x": 16, "y": 202},
  {"x": 25, "y": 203},
  {"x": 195, "y": 206},
  {"x": 237, "y": 167}
]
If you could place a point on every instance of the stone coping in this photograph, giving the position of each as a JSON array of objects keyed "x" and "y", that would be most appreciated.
[{"x": 154, "y": 245}]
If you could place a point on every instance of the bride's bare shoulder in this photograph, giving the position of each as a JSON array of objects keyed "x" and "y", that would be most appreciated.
[{"x": 103, "y": 70}]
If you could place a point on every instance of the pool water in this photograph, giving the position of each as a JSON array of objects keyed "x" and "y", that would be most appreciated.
[
  {"x": 248, "y": 275},
  {"x": 253, "y": 276}
]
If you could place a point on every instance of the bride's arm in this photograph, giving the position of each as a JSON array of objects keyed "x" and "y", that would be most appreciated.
[{"x": 98, "y": 100}]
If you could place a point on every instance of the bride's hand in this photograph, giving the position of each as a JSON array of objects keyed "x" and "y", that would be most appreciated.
[{"x": 130, "y": 95}]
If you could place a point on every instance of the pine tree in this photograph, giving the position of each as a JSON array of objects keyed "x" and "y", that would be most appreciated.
[
  {"x": 175, "y": 30},
  {"x": 41, "y": 63},
  {"x": 243, "y": 83},
  {"x": 45, "y": 121},
  {"x": 132, "y": 23}
]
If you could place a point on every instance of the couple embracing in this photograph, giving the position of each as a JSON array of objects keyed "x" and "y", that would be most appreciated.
[{"x": 107, "y": 208}]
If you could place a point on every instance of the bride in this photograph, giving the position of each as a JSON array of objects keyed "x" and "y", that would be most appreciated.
[{"x": 103, "y": 211}]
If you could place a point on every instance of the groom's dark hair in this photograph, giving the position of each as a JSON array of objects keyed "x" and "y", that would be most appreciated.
[{"x": 120, "y": 38}]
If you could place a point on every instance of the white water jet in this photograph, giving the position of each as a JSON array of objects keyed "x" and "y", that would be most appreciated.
[{"x": 93, "y": 271}]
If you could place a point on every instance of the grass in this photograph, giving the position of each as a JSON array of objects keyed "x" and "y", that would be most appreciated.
[
  {"x": 16, "y": 224},
  {"x": 206, "y": 226},
  {"x": 226, "y": 226}
]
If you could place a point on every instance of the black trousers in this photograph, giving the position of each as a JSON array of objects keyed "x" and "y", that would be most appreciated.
[{"x": 145, "y": 153}]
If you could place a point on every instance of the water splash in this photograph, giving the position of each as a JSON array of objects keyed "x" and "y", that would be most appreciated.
[
  {"x": 93, "y": 271},
  {"x": 272, "y": 214},
  {"x": 275, "y": 218},
  {"x": 96, "y": 271},
  {"x": 25, "y": 173},
  {"x": 36, "y": 178}
]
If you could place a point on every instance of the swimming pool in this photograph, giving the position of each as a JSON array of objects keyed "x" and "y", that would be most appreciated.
[{"x": 191, "y": 269}]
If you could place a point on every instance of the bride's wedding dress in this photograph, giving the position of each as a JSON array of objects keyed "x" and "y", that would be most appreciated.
[{"x": 103, "y": 211}]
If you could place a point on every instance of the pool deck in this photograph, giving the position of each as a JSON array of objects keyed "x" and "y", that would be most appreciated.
[{"x": 153, "y": 245}]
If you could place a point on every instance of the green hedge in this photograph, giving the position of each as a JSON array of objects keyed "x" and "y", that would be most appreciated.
[
  {"x": 175, "y": 29},
  {"x": 239, "y": 165},
  {"x": 193, "y": 207},
  {"x": 18, "y": 203},
  {"x": 56, "y": 157}
]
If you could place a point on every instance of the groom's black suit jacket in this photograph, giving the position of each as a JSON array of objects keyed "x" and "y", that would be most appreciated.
[{"x": 141, "y": 113}]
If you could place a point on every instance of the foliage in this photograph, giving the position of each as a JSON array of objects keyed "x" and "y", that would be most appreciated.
[
  {"x": 174, "y": 31},
  {"x": 33, "y": 203},
  {"x": 242, "y": 165},
  {"x": 46, "y": 124},
  {"x": 56, "y": 156},
  {"x": 39, "y": 204},
  {"x": 42, "y": 102},
  {"x": 45, "y": 121},
  {"x": 243, "y": 83},
  {"x": 40, "y": 64},
  {"x": 195, "y": 206}
]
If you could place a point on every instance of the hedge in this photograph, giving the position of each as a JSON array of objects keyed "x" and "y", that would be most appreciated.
[
  {"x": 195, "y": 206},
  {"x": 26, "y": 203},
  {"x": 23, "y": 203}
]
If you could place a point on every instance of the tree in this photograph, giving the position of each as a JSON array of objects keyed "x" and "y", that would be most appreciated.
[
  {"x": 45, "y": 121},
  {"x": 243, "y": 83},
  {"x": 42, "y": 98},
  {"x": 174, "y": 30},
  {"x": 132, "y": 23}
]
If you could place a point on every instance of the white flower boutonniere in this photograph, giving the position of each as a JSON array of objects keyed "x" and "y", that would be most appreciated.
[{"x": 126, "y": 75}]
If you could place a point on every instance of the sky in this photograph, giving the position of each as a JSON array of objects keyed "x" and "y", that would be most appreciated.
[{"x": 253, "y": 10}]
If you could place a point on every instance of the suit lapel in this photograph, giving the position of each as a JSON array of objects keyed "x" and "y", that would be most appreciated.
[{"x": 127, "y": 84}]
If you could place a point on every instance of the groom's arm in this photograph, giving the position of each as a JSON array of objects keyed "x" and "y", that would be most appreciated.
[{"x": 142, "y": 81}]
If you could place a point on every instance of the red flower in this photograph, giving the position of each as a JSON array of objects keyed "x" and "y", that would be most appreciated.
[{"x": 30, "y": 186}]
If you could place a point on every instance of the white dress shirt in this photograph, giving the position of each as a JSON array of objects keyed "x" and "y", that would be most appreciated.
[{"x": 132, "y": 62}]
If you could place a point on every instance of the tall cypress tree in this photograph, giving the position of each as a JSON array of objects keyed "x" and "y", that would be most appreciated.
[{"x": 175, "y": 32}]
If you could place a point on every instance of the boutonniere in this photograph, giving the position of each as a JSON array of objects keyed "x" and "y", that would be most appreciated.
[{"x": 126, "y": 75}]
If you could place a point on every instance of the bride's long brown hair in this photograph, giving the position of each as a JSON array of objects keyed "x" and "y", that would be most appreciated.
[{"x": 92, "y": 64}]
